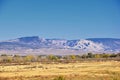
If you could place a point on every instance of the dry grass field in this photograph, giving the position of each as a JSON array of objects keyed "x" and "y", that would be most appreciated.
[{"x": 109, "y": 70}]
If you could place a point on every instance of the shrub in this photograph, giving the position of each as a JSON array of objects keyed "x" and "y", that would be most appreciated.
[{"x": 59, "y": 78}]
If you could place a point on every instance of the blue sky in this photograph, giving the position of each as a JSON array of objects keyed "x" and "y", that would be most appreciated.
[{"x": 66, "y": 19}]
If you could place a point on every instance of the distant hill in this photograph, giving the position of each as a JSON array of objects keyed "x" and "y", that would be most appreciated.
[{"x": 36, "y": 45}]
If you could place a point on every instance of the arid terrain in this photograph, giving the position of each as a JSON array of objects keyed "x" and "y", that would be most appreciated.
[{"x": 106, "y": 70}]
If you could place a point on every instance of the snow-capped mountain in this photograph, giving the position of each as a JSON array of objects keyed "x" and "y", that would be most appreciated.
[{"x": 41, "y": 45}]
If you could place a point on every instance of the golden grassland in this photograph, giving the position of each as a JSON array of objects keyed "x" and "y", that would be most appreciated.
[{"x": 91, "y": 70}]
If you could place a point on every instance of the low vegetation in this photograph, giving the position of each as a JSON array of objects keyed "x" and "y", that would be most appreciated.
[
  {"x": 51, "y": 67},
  {"x": 56, "y": 58}
]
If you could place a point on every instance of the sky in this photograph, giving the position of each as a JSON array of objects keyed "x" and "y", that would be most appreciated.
[{"x": 64, "y": 19}]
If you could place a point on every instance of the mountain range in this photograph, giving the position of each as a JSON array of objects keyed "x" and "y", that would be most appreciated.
[{"x": 38, "y": 46}]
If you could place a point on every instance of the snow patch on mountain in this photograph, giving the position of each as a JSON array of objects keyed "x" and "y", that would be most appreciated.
[{"x": 87, "y": 45}]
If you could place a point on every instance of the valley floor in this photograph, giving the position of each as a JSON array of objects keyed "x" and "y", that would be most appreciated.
[{"x": 107, "y": 70}]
